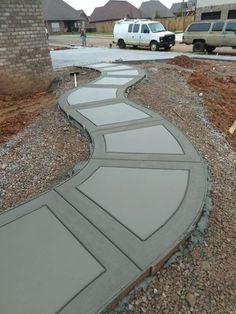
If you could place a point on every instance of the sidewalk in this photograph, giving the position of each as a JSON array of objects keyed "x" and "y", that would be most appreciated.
[{"x": 78, "y": 247}]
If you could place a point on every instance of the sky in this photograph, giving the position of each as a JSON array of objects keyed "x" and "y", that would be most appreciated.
[{"x": 89, "y": 5}]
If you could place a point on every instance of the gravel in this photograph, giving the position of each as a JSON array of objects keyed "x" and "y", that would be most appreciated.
[
  {"x": 204, "y": 279},
  {"x": 45, "y": 152},
  {"x": 200, "y": 281}
]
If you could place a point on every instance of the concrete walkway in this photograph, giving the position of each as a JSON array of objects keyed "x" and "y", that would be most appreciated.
[{"x": 79, "y": 247}]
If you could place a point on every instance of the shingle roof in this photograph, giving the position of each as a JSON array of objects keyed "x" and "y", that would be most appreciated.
[
  {"x": 177, "y": 7},
  {"x": 153, "y": 8},
  {"x": 58, "y": 10},
  {"x": 115, "y": 10}
]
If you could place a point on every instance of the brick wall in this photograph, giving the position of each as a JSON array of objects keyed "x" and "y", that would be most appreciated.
[
  {"x": 25, "y": 63},
  {"x": 223, "y": 8}
]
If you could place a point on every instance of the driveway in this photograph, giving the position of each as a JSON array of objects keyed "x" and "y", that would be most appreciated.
[
  {"x": 85, "y": 56},
  {"x": 80, "y": 56}
]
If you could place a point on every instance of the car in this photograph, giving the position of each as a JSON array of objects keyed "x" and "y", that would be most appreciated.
[
  {"x": 207, "y": 35},
  {"x": 140, "y": 32}
]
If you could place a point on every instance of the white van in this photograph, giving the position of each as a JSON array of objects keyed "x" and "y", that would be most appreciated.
[{"x": 142, "y": 33}]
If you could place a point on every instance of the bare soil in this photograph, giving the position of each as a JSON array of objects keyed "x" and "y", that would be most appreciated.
[
  {"x": 216, "y": 83},
  {"x": 17, "y": 112}
]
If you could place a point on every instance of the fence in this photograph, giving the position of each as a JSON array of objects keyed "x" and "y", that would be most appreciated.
[
  {"x": 176, "y": 24},
  {"x": 105, "y": 27}
]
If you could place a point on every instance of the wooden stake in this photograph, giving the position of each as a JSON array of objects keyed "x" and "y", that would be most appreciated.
[{"x": 233, "y": 128}]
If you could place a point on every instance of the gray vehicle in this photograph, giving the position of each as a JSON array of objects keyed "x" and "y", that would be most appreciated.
[{"x": 207, "y": 35}]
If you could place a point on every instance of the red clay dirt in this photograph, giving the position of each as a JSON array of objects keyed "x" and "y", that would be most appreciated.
[
  {"x": 17, "y": 112},
  {"x": 216, "y": 83}
]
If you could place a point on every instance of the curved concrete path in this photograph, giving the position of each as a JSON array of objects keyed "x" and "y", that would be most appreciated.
[{"x": 80, "y": 246}]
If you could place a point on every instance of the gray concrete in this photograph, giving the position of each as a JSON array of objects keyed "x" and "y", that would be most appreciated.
[
  {"x": 40, "y": 247},
  {"x": 151, "y": 140},
  {"x": 117, "y": 67},
  {"x": 88, "y": 94},
  {"x": 124, "y": 181},
  {"x": 121, "y": 193},
  {"x": 78, "y": 247},
  {"x": 43, "y": 245},
  {"x": 101, "y": 65},
  {"x": 91, "y": 56},
  {"x": 120, "y": 73},
  {"x": 113, "y": 81},
  {"x": 114, "y": 113},
  {"x": 148, "y": 252}
]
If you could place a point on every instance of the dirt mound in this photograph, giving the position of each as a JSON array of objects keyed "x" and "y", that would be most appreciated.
[{"x": 184, "y": 62}]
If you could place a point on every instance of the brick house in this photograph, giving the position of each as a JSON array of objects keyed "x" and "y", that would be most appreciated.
[
  {"x": 25, "y": 63},
  {"x": 215, "y": 9},
  {"x": 60, "y": 17},
  {"x": 105, "y": 17},
  {"x": 183, "y": 8},
  {"x": 178, "y": 7}
]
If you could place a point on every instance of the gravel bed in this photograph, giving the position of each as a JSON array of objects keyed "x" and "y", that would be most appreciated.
[
  {"x": 45, "y": 152},
  {"x": 203, "y": 280}
]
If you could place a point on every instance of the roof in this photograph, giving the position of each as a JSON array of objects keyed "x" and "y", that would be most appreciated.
[
  {"x": 177, "y": 7},
  {"x": 115, "y": 10},
  {"x": 155, "y": 8},
  {"x": 82, "y": 15},
  {"x": 58, "y": 10}
]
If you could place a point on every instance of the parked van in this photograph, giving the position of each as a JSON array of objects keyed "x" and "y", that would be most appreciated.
[
  {"x": 147, "y": 33},
  {"x": 207, "y": 35}
]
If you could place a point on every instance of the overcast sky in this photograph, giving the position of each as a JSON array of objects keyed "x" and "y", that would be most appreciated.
[{"x": 89, "y": 5}]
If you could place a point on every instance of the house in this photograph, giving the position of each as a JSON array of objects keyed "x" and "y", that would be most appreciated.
[
  {"x": 60, "y": 17},
  {"x": 114, "y": 10},
  {"x": 215, "y": 9},
  {"x": 179, "y": 8},
  {"x": 155, "y": 9}
]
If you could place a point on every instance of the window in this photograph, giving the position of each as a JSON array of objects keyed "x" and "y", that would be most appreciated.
[
  {"x": 199, "y": 27},
  {"x": 217, "y": 27},
  {"x": 55, "y": 27},
  {"x": 156, "y": 27},
  {"x": 232, "y": 14},
  {"x": 231, "y": 27},
  {"x": 211, "y": 15},
  {"x": 145, "y": 29},
  {"x": 130, "y": 28},
  {"x": 136, "y": 28}
]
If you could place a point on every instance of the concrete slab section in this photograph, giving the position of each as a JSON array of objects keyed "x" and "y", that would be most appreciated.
[
  {"x": 86, "y": 56},
  {"x": 113, "y": 81},
  {"x": 118, "y": 67},
  {"x": 160, "y": 243},
  {"x": 88, "y": 94},
  {"x": 154, "y": 140},
  {"x": 115, "y": 113},
  {"x": 121, "y": 193},
  {"x": 120, "y": 73},
  {"x": 42, "y": 265},
  {"x": 100, "y": 65}
]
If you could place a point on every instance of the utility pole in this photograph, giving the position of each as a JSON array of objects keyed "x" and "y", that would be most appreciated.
[{"x": 183, "y": 16}]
